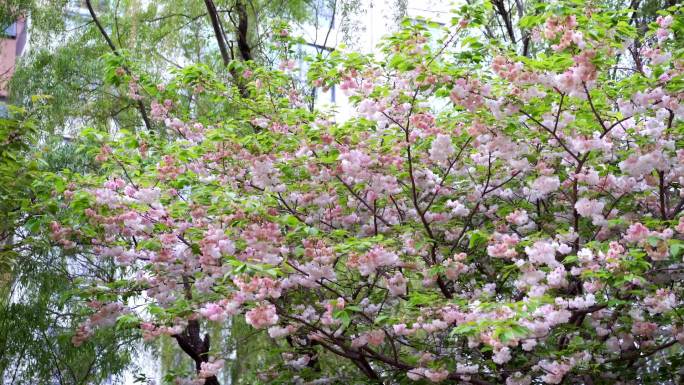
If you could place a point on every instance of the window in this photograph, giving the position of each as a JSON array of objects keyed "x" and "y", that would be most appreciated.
[
  {"x": 4, "y": 112},
  {"x": 11, "y": 31}
]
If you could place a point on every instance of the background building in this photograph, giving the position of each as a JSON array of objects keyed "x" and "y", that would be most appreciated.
[{"x": 12, "y": 44}]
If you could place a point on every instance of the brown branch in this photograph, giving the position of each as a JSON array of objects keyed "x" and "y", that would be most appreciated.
[
  {"x": 661, "y": 195},
  {"x": 593, "y": 108},
  {"x": 506, "y": 16},
  {"x": 330, "y": 26}
]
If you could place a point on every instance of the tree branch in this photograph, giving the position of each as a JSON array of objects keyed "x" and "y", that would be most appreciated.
[{"x": 141, "y": 106}]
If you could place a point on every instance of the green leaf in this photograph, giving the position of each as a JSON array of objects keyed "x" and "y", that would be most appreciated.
[
  {"x": 676, "y": 248},
  {"x": 343, "y": 316}
]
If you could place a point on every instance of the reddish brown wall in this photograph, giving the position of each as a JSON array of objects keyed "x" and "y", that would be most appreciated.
[{"x": 10, "y": 49}]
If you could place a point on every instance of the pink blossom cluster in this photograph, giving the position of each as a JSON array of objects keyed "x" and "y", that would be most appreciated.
[
  {"x": 262, "y": 316},
  {"x": 512, "y": 224},
  {"x": 105, "y": 315},
  {"x": 375, "y": 258}
]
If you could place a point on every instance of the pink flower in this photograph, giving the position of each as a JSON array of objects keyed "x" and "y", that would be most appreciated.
[
  {"x": 466, "y": 369},
  {"x": 258, "y": 287},
  {"x": 680, "y": 226},
  {"x": 210, "y": 369},
  {"x": 277, "y": 331},
  {"x": 543, "y": 186},
  {"x": 645, "y": 329},
  {"x": 262, "y": 316},
  {"x": 518, "y": 217},
  {"x": 556, "y": 277},
  {"x": 348, "y": 85},
  {"x": 441, "y": 149},
  {"x": 501, "y": 356},
  {"x": 402, "y": 330},
  {"x": 457, "y": 208},
  {"x": 637, "y": 232},
  {"x": 555, "y": 371},
  {"x": 663, "y": 300},
  {"x": 300, "y": 363},
  {"x": 376, "y": 337},
  {"x": 375, "y": 258},
  {"x": 664, "y": 21},
  {"x": 263, "y": 242},
  {"x": 287, "y": 65},
  {"x": 416, "y": 374},
  {"x": 639, "y": 165},
  {"x": 504, "y": 246},
  {"x": 582, "y": 303},
  {"x": 518, "y": 379},
  {"x": 359, "y": 341},
  {"x": 369, "y": 109},
  {"x": 465, "y": 93},
  {"x": 557, "y": 317},
  {"x": 589, "y": 207},
  {"x": 105, "y": 316},
  {"x": 157, "y": 111},
  {"x": 542, "y": 252},
  {"x": 355, "y": 164},
  {"x": 213, "y": 312},
  {"x": 397, "y": 284},
  {"x": 264, "y": 173},
  {"x": 436, "y": 375},
  {"x": 134, "y": 89},
  {"x": 454, "y": 266},
  {"x": 215, "y": 245}
]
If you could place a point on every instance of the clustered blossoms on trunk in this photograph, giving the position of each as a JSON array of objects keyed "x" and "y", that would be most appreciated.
[{"x": 486, "y": 218}]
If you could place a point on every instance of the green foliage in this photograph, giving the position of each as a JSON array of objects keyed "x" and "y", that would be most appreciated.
[{"x": 75, "y": 98}]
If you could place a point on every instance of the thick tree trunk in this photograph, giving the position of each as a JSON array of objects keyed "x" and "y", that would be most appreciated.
[
  {"x": 242, "y": 31},
  {"x": 196, "y": 347},
  {"x": 218, "y": 30}
]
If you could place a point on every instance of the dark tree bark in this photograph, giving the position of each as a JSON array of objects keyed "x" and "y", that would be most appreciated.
[
  {"x": 196, "y": 347},
  {"x": 242, "y": 39},
  {"x": 506, "y": 17},
  {"x": 218, "y": 30},
  {"x": 242, "y": 31}
]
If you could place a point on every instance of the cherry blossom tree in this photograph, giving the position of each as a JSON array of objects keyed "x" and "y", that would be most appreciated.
[{"x": 484, "y": 218}]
